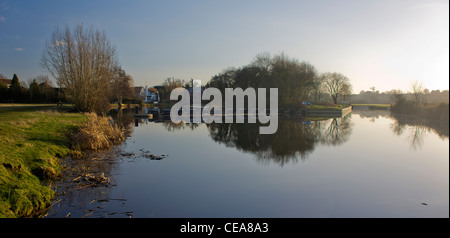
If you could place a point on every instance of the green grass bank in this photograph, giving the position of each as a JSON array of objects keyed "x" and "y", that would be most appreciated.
[{"x": 32, "y": 141}]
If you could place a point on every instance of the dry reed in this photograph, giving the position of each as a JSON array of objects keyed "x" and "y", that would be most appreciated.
[{"x": 98, "y": 133}]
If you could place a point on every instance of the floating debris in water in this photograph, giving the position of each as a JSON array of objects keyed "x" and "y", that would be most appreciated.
[
  {"x": 109, "y": 199},
  {"x": 92, "y": 179},
  {"x": 154, "y": 157},
  {"x": 128, "y": 154},
  {"x": 147, "y": 154}
]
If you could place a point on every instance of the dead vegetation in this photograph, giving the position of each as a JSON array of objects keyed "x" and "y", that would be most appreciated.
[
  {"x": 98, "y": 133},
  {"x": 92, "y": 179}
]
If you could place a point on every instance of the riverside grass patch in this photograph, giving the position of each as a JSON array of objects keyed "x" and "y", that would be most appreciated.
[{"x": 32, "y": 142}]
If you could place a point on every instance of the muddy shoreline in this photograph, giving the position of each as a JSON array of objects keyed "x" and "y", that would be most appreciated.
[
  {"x": 84, "y": 189},
  {"x": 85, "y": 182}
]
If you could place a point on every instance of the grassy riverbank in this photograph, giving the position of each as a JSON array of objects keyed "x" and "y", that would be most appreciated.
[
  {"x": 325, "y": 107},
  {"x": 33, "y": 139},
  {"x": 31, "y": 143}
]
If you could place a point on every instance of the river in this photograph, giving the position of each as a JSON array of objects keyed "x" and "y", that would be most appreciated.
[{"x": 367, "y": 164}]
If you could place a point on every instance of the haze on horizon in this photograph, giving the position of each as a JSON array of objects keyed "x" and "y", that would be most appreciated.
[{"x": 386, "y": 44}]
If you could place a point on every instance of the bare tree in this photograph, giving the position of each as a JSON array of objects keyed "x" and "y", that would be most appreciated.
[
  {"x": 319, "y": 88},
  {"x": 83, "y": 62},
  {"x": 263, "y": 60},
  {"x": 170, "y": 84},
  {"x": 223, "y": 80},
  {"x": 122, "y": 85},
  {"x": 397, "y": 96},
  {"x": 41, "y": 80},
  {"x": 347, "y": 90},
  {"x": 337, "y": 85},
  {"x": 45, "y": 80},
  {"x": 417, "y": 90},
  {"x": 296, "y": 80}
]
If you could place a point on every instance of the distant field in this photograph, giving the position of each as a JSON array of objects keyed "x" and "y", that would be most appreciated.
[
  {"x": 31, "y": 105},
  {"x": 24, "y": 105},
  {"x": 380, "y": 106}
]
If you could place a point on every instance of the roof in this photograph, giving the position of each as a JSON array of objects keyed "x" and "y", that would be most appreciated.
[
  {"x": 154, "y": 90},
  {"x": 5, "y": 81},
  {"x": 45, "y": 84},
  {"x": 138, "y": 90}
]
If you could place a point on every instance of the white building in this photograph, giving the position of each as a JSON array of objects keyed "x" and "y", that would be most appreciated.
[
  {"x": 148, "y": 95},
  {"x": 151, "y": 95}
]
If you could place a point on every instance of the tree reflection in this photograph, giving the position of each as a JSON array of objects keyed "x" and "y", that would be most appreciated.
[
  {"x": 170, "y": 126},
  {"x": 416, "y": 136},
  {"x": 417, "y": 128},
  {"x": 293, "y": 141},
  {"x": 124, "y": 119},
  {"x": 337, "y": 132},
  {"x": 398, "y": 128}
]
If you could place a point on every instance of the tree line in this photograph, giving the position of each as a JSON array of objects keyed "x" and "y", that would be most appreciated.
[
  {"x": 41, "y": 89},
  {"x": 38, "y": 89},
  {"x": 296, "y": 81},
  {"x": 416, "y": 94}
]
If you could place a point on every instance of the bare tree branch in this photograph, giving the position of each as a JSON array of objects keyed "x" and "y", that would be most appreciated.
[{"x": 83, "y": 62}]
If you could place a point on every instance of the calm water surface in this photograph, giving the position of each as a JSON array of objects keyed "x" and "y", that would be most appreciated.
[{"x": 367, "y": 164}]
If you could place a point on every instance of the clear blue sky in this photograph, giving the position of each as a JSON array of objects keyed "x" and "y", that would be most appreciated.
[{"x": 381, "y": 43}]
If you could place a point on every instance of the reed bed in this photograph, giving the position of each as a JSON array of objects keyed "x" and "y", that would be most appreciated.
[{"x": 97, "y": 134}]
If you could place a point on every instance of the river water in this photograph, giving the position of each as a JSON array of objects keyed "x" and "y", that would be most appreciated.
[{"x": 367, "y": 164}]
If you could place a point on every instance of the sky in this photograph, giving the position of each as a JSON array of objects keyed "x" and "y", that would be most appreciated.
[{"x": 385, "y": 44}]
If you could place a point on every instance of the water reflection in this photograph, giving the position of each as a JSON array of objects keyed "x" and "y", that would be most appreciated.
[
  {"x": 337, "y": 132},
  {"x": 441, "y": 128},
  {"x": 417, "y": 128},
  {"x": 146, "y": 187},
  {"x": 294, "y": 140},
  {"x": 372, "y": 115},
  {"x": 124, "y": 119},
  {"x": 296, "y": 137},
  {"x": 170, "y": 126}
]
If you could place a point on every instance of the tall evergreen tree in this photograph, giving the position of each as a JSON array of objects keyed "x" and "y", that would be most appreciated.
[{"x": 15, "y": 91}]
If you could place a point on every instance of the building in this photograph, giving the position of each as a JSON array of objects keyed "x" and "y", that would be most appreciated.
[
  {"x": 6, "y": 81},
  {"x": 148, "y": 95},
  {"x": 139, "y": 92},
  {"x": 151, "y": 95}
]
